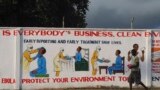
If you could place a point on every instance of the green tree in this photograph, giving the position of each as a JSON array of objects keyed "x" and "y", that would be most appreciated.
[{"x": 47, "y": 13}]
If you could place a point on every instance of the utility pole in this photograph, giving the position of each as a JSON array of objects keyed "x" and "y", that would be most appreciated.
[
  {"x": 63, "y": 23},
  {"x": 132, "y": 22}
]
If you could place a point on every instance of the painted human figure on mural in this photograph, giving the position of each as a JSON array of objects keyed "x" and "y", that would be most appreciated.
[
  {"x": 94, "y": 59},
  {"x": 78, "y": 59},
  {"x": 81, "y": 62},
  {"x": 78, "y": 55},
  {"x": 135, "y": 75},
  {"x": 41, "y": 62},
  {"x": 56, "y": 62},
  {"x": 118, "y": 63},
  {"x": 27, "y": 59}
]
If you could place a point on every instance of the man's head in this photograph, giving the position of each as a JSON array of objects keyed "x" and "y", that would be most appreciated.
[
  {"x": 135, "y": 47},
  {"x": 42, "y": 50},
  {"x": 118, "y": 52},
  {"x": 134, "y": 52},
  {"x": 79, "y": 48}
]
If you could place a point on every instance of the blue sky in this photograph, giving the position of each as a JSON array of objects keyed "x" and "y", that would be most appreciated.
[{"x": 118, "y": 13}]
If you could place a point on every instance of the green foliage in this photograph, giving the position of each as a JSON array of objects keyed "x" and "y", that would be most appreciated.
[{"x": 44, "y": 13}]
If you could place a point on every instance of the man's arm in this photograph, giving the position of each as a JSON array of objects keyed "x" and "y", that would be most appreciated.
[
  {"x": 142, "y": 57},
  {"x": 33, "y": 51},
  {"x": 129, "y": 57},
  {"x": 35, "y": 57}
]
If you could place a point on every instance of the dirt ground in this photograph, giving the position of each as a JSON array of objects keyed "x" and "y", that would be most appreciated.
[
  {"x": 115, "y": 89},
  {"x": 104, "y": 89}
]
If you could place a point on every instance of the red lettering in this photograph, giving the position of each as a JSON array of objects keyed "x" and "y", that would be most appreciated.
[
  {"x": 60, "y": 80},
  {"x": 6, "y": 33},
  {"x": 129, "y": 34},
  {"x": 39, "y": 32},
  {"x": 154, "y": 34},
  {"x": 122, "y": 78},
  {"x": 93, "y": 33},
  {"x": 92, "y": 79},
  {"x": 37, "y": 80},
  {"x": 8, "y": 81}
]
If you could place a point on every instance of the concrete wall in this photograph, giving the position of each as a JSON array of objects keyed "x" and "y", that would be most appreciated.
[{"x": 14, "y": 42}]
